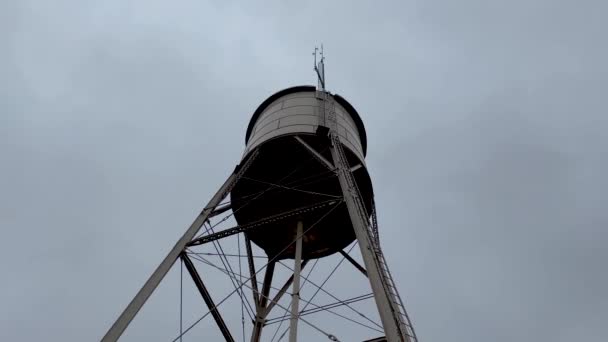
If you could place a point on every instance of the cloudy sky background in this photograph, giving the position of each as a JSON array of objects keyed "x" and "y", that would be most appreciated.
[{"x": 487, "y": 147}]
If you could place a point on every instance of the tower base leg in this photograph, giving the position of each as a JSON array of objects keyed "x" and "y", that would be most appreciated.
[{"x": 295, "y": 297}]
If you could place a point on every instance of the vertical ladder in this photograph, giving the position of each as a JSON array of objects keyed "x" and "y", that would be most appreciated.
[{"x": 403, "y": 323}]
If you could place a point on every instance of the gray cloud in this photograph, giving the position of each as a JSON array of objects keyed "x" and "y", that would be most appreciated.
[{"x": 486, "y": 125}]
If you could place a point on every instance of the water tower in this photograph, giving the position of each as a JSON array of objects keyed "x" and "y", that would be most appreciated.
[{"x": 301, "y": 192}]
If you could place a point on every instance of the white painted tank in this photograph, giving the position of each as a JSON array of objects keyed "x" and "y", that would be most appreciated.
[
  {"x": 301, "y": 178},
  {"x": 298, "y": 110}
]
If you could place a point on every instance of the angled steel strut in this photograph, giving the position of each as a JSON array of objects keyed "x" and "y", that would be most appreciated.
[{"x": 144, "y": 293}]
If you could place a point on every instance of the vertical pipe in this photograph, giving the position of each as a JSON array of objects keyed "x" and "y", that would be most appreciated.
[{"x": 295, "y": 297}]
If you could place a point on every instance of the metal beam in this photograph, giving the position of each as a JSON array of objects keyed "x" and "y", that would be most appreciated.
[
  {"x": 114, "y": 333},
  {"x": 254, "y": 280},
  {"x": 258, "y": 324},
  {"x": 356, "y": 167},
  {"x": 207, "y": 297},
  {"x": 316, "y": 154},
  {"x": 385, "y": 302},
  {"x": 260, "y": 317},
  {"x": 282, "y": 291},
  {"x": 295, "y": 296},
  {"x": 267, "y": 283},
  {"x": 220, "y": 209},
  {"x": 354, "y": 262},
  {"x": 259, "y": 223}
]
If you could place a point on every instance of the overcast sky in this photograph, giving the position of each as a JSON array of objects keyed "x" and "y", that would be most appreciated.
[{"x": 486, "y": 123}]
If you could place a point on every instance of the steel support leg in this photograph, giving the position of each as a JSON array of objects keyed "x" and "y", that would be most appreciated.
[
  {"x": 254, "y": 280},
  {"x": 283, "y": 289},
  {"x": 295, "y": 297},
  {"x": 260, "y": 316},
  {"x": 385, "y": 305},
  {"x": 144, "y": 293}
]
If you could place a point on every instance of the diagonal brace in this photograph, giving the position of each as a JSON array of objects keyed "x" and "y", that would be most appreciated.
[
  {"x": 221, "y": 209},
  {"x": 260, "y": 317},
  {"x": 354, "y": 262},
  {"x": 207, "y": 297},
  {"x": 316, "y": 154},
  {"x": 356, "y": 167}
]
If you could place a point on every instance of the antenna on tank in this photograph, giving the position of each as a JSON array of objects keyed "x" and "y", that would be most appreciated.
[{"x": 320, "y": 68}]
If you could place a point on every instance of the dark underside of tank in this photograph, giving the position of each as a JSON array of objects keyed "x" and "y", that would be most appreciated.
[{"x": 303, "y": 181}]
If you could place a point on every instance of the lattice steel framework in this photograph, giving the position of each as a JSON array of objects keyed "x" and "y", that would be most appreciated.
[{"x": 395, "y": 322}]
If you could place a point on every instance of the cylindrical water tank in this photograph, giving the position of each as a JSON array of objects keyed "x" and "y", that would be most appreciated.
[{"x": 286, "y": 175}]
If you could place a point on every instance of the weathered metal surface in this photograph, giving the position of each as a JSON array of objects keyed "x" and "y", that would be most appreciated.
[
  {"x": 300, "y": 111},
  {"x": 290, "y": 131}
]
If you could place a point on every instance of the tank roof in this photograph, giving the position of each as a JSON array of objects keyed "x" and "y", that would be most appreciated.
[{"x": 308, "y": 88}]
